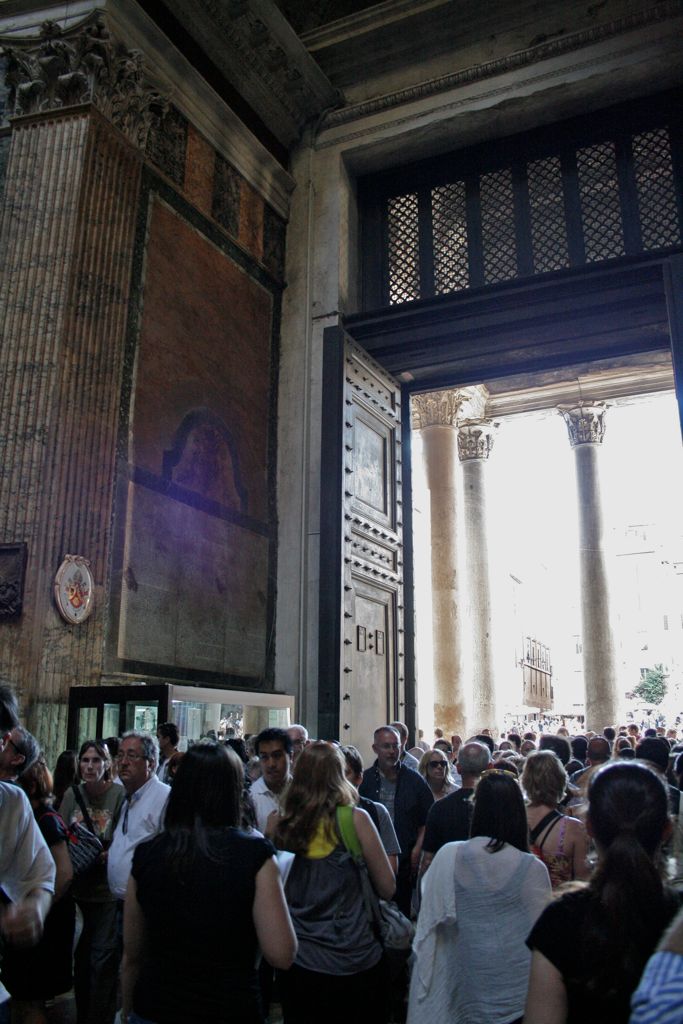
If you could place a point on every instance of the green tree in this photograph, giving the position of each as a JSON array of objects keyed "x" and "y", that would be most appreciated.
[{"x": 652, "y": 687}]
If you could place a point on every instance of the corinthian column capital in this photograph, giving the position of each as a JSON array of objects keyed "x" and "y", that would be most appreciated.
[
  {"x": 475, "y": 440},
  {"x": 86, "y": 65},
  {"x": 585, "y": 423},
  {"x": 448, "y": 408}
]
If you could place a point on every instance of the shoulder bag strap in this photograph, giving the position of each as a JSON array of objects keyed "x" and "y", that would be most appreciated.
[
  {"x": 347, "y": 831},
  {"x": 84, "y": 810},
  {"x": 535, "y": 832},
  {"x": 349, "y": 838}
]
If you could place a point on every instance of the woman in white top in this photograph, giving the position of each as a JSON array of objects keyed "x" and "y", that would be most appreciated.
[{"x": 474, "y": 892}]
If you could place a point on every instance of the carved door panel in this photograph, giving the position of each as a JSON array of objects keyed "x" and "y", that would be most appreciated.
[
  {"x": 372, "y": 686},
  {"x": 362, "y": 672}
]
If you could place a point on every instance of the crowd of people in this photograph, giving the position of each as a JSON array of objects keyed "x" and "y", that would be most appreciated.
[{"x": 503, "y": 879}]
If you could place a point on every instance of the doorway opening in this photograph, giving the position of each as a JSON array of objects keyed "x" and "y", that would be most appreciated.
[{"x": 526, "y": 492}]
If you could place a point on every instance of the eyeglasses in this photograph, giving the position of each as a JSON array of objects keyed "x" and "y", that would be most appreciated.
[
  {"x": 436, "y": 764},
  {"x": 128, "y": 755}
]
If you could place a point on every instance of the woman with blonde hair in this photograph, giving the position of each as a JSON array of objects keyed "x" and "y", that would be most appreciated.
[
  {"x": 339, "y": 963},
  {"x": 557, "y": 839},
  {"x": 433, "y": 768}
]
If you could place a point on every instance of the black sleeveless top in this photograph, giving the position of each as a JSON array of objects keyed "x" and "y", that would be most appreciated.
[{"x": 201, "y": 944}]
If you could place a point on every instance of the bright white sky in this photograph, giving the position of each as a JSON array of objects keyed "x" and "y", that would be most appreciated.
[{"x": 531, "y": 479}]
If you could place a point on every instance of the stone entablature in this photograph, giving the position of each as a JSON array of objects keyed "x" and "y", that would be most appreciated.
[
  {"x": 188, "y": 99},
  {"x": 60, "y": 70},
  {"x": 259, "y": 53}
]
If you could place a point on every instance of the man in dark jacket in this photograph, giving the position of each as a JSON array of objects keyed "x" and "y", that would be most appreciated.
[{"x": 407, "y": 797}]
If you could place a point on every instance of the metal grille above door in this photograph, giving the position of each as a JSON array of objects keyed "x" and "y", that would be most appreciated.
[{"x": 576, "y": 194}]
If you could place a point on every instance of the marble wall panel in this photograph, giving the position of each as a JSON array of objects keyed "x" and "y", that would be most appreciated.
[
  {"x": 199, "y": 170},
  {"x": 204, "y": 345},
  {"x": 225, "y": 203},
  {"x": 198, "y": 601},
  {"x": 251, "y": 221},
  {"x": 274, "y": 229},
  {"x": 167, "y": 145},
  {"x": 197, "y": 541}
]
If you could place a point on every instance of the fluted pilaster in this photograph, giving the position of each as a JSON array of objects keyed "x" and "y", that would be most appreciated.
[{"x": 66, "y": 238}]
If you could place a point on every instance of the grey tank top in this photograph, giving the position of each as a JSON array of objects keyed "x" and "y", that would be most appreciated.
[{"x": 329, "y": 917}]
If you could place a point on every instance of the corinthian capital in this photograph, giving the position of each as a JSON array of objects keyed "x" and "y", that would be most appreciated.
[
  {"x": 448, "y": 408},
  {"x": 475, "y": 440},
  {"x": 585, "y": 423},
  {"x": 63, "y": 69}
]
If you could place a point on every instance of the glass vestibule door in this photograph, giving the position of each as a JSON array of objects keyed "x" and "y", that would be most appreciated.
[{"x": 105, "y": 711}]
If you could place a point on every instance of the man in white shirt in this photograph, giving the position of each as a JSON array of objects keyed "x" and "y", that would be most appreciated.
[
  {"x": 27, "y": 870},
  {"x": 142, "y": 812},
  {"x": 274, "y": 750}
]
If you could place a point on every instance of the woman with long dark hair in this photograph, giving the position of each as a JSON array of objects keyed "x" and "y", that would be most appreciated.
[
  {"x": 65, "y": 775},
  {"x": 339, "y": 968},
  {"x": 203, "y": 896},
  {"x": 479, "y": 899},
  {"x": 590, "y": 946}
]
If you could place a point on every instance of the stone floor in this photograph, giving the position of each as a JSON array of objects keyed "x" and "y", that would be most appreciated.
[{"x": 63, "y": 1011}]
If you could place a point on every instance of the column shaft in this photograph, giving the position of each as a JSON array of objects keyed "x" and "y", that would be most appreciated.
[
  {"x": 480, "y": 670},
  {"x": 586, "y": 426},
  {"x": 440, "y": 456},
  {"x": 598, "y": 645}
]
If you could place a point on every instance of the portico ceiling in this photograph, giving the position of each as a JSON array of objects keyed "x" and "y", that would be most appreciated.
[{"x": 299, "y": 64}]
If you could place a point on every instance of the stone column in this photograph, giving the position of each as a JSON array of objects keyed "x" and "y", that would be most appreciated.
[
  {"x": 586, "y": 425},
  {"x": 81, "y": 113},
  {"x": 435, "y": 415},
  {"x": 475, "y": 442}
]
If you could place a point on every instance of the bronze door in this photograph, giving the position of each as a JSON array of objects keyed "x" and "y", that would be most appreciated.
[{"x": 362, "y": 612}]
